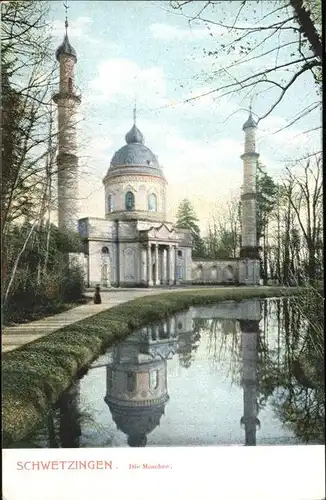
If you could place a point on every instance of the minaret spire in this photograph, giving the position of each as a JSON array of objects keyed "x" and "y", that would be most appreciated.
[
  {"x": 66, "y": 6},
  {"x": 135, "y": 112}
]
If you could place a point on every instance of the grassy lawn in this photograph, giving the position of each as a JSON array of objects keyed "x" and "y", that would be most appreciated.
[
  {"x": 36, "y": 374},
  {"x": 41, "y": 312}
]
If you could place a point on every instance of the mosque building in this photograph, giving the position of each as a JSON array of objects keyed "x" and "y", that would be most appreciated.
[{"x": 134, "y": 244}]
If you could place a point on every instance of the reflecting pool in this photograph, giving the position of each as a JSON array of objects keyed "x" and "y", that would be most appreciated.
[{"x": 236, "y": 373}]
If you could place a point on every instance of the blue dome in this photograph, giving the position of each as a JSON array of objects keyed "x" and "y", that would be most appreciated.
[
  {"x": 135, "y": 156},
  {"x": 65, "y": 48}
]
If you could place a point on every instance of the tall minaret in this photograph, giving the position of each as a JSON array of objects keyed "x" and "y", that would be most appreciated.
[
  {"x": 67, "y": 160},
  {"x": 249, "y": 357},
  {"x": 249, "y": 255}
]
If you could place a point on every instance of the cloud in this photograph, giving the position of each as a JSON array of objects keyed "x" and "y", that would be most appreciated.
[
  {"x": 288, "y": 141},
  {"x": 168, "y": 32},
  {"x": 125, "y": 79},
  {"x": 77, "y": 28}
]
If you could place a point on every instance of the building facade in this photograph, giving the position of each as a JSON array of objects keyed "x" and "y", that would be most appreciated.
[{"x": 134, "y": 244}]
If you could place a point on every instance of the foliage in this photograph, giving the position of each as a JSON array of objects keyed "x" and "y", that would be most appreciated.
[
  {"x": 44, "y": 279},
  {"x": 187, "y": 219},
  {"x": 294, "y": 379},
  {"x": 36, "y": 374},
  {"x": 26, "y": 85},
  {"x": 266, "y": 196}
]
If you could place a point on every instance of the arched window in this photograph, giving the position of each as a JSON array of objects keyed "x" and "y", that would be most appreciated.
[
  {"x": 70, "y": 84},
  {"x": 153, "y": 380},
  {"x": 130, "y": 201},
  {"x": 110, "y": 203},
  {"x": 152, "y": 202},
  {"x": 105, "y": 250},
  {"x": 131, "y": 382}
]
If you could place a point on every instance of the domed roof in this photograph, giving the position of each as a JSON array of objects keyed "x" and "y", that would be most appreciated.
[
  {"x": 136, "y": 422},
  {"x": 134, "y": 136},
  {"x": 65, "y": 48},
  {"x": 135, "y": 156},
  {"x": 250, "y": 123}
]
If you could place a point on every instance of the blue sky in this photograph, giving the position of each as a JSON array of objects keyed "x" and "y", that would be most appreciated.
[{"x": 144, "y": 50}]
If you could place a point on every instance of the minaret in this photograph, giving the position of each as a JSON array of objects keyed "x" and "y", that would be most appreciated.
[
  {"x": 249, "y": 255},
  {"x": 67, "y": 101},
  {"x": 249, "y": 355}
]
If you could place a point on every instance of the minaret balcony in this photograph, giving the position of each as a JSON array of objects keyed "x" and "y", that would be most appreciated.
[
  {"x": 249, "y": 154},
  {"x": 66, "y": 95}
]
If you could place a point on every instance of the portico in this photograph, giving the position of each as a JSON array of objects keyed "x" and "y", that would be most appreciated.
[{"x": 158, "y": 263}]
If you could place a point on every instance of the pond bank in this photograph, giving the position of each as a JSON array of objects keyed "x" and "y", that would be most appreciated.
[{"x": 36, "y": 374}]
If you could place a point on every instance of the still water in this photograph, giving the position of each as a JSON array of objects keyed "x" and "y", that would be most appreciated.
[{"x": 231, "y": 374}]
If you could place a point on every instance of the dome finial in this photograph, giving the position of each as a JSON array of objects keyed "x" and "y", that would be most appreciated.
[
  {"x": 135, "y": 112},
  {"x": 134, "y": 135},
  {"x": 66, "y": 48},
  {"x": 66, "y": 6},
  {"x": 250, "y": 123}
]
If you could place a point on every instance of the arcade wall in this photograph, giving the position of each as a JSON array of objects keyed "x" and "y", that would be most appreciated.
[{"x": 215, "y": 272}]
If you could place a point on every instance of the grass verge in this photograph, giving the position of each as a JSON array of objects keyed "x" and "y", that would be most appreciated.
[
  {"x": 41, "y": 312},
  {"x": 37, "y": 373}
]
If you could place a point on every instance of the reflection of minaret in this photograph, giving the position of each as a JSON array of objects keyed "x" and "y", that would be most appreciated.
[
  {"x": 137, "y": 381},
  {"x": 69, "y": 420},
  {"x": 249, "y": 355}
]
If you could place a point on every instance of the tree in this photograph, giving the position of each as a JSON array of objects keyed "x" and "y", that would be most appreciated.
[
  {"x": 223, "y": 239},
  {"x": 28, "y": 167},
  {"x": 306, "y": 201},
  {"x": 282, "y": 38},
  {"x": 187, "y": 219},
  {"x": 266, "y": 192},
  {"x": 27, "y": 81}
]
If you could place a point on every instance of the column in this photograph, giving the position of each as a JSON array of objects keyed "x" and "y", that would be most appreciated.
[
  {"x": 149, "y": 265},
  {"x": 156, "y": 266},
  {"x": 143, "y": 273},
  {"x": 164, "y": 266},
  {"x": 175, "y": 263},
  {"x": 170, "y": 265}
]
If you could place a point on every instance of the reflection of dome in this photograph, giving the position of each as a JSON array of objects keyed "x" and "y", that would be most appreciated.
[
  {"x": 137, "y": 421},
  {"x": 138, "y": 441},
  {"x": 65, "y": 48},
  {"x": 136, "y": 156}
]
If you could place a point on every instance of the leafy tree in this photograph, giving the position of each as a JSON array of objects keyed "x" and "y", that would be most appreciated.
[
  {"x": 187, "y": 219},
  {"x": 44, "y": 281}
]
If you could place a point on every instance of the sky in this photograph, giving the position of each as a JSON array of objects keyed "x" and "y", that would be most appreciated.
[{"x": 145, "y": 51}]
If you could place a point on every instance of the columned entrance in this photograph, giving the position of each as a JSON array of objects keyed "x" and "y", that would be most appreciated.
[{"x": 158, "y": 264}]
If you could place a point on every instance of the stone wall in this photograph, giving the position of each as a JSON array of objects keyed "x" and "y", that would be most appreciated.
[
  {"x": 215, "y": 271},
  {"x": 101, "y": 263}
]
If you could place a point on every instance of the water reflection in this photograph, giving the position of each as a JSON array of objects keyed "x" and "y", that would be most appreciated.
[
  {"x": 249, "y": 356},
  {"x": 234, "y": 373},
  {"x": 136, "y": 380}
]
